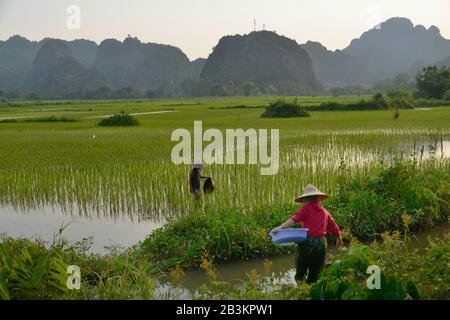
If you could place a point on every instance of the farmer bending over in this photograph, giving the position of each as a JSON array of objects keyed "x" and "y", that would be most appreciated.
[{"x": 310, "y": 256}]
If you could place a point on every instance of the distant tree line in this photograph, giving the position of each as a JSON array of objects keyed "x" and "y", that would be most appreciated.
[
  {"x": 430, "y": 83},
  {"x": 434, "y": 83}
]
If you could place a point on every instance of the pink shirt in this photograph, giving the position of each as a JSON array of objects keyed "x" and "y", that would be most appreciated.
[{"x": 317, "y": 219}]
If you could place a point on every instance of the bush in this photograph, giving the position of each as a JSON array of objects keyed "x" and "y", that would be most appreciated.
[
  {"x": 119, "y": 120},
  {"x": 399, "y": 100},
  {"x": 284, "y": 109},
  {"x": 378, "y": 102},
  {"x": 345, "y": 279},
  {"x": 33, "y": 270},
  {"x": 433, "y": 82},
  {"x": 420, "y": 275},
  {"x": 446, "y": 96},
  {"x": 41, "y": 119},
  {"x": 397, "y": 193},
  {"x": 222, "y": 235}
]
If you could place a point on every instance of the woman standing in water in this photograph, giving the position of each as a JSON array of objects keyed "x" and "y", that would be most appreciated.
[
  {"x": 310, "y": 256},
  {"x": 195, "y": 178}
]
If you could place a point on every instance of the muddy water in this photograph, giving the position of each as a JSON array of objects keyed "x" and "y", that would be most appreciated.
[{"x": 282, "y": 266}]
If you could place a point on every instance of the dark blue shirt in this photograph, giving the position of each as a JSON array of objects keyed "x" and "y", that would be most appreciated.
[{"x": 196, "y": 179}]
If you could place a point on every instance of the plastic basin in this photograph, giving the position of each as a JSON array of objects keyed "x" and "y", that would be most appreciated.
[{"x": 289, "y": 236}]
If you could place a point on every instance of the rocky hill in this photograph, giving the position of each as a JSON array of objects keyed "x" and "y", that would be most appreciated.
[
  {"x": 265, "y": 58},
  {"x": 56, "y": 70}
]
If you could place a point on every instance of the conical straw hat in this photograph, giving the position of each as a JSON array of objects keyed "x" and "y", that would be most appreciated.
[
  {"x": 197, "y": 166},
  {"x": 311, "y": 191}
]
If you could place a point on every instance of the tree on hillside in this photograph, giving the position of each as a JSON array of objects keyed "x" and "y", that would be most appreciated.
[
  {"x": 220, "y": 90},
  {"x": 433, "y": 82},
  {"x": 249, "y": 88},
  {"x": 272, "y": 90},
  {"x": 401, "y": 82}
]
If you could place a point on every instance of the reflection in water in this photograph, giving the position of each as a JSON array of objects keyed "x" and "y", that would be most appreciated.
[
  {"x": 44, "y": 224},
  {"x": 123, "y": 205}
]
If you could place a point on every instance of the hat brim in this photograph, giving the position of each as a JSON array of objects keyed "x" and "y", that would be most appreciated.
[
  {"x": 321, "y": 196},
  {"x": 198, "y": 166}
]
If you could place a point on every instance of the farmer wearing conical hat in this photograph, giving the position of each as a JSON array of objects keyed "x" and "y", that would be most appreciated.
[
  {"x": 195, "y": 178},
  {"x": 310, "y": 256}
]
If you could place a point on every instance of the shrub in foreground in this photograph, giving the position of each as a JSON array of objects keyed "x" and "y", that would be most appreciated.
[
  {"x": 34, "y": 270},
  {"x": 406, "y": 274}
]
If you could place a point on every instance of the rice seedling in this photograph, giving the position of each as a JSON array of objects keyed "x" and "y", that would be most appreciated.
[{"x": 117, "y": 171}]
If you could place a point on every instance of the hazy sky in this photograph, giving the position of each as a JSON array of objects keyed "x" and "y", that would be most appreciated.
[{"x": 196, "y": 25}]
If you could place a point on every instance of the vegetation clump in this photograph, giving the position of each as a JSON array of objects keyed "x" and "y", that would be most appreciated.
[
  {"x": 34, "y": 270},
  {"x": 224, "y": 235},
  {"x": 285, "y": 109},
  {"x": 420, "y": 275},
  {"x": 371, "y": 205},
  {"x": 119, "y": 120},
  {"x": 366, "y": 206}
]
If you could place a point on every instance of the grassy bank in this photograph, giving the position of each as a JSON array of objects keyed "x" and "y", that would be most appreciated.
[
  {"x": 31, "y": 270},
  {"x": 35, "y": 270},
  {"x": 397, "y": 194},
  {"x": 406, "y": 274}
]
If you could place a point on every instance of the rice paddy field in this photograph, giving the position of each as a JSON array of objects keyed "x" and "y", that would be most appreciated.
[
  {"x": 114, "y": 172},
  {"x": 116, "y": 185}
]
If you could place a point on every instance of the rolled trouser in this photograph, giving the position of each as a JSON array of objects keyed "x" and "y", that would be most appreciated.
[{"x": 310, "y": 259}]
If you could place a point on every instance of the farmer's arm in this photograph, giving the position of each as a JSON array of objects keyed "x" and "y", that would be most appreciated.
[
  {"x": 333, "y": 228},
  {"x": 285, "y": 225},
  {"x": 296, "y": 218}
]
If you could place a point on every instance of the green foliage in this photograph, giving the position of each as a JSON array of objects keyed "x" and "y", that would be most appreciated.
[
  {"x": 399, "y": 100},
  {"x": 30, "y": 271},
  {"x": 356, "y": 89},
  {"x": 271, "y": 90},
  {"x": 119, "y": 120},
  {"x": 433, "y": 82},
  {"x": 250, "y": 89},
  {"x": 285, "y": 109},
  {"x": 378, "y": 102},
  {"x": 223, "y": 235},
  {"x": 446, "y": 96},
  {"x": 406, "y": 274},
  {"x": 370, "y": 205},
  {"x": 401, "y": 82},
  {"x": 41, "y": 119},
  {"x": 345, "y": 279}
]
